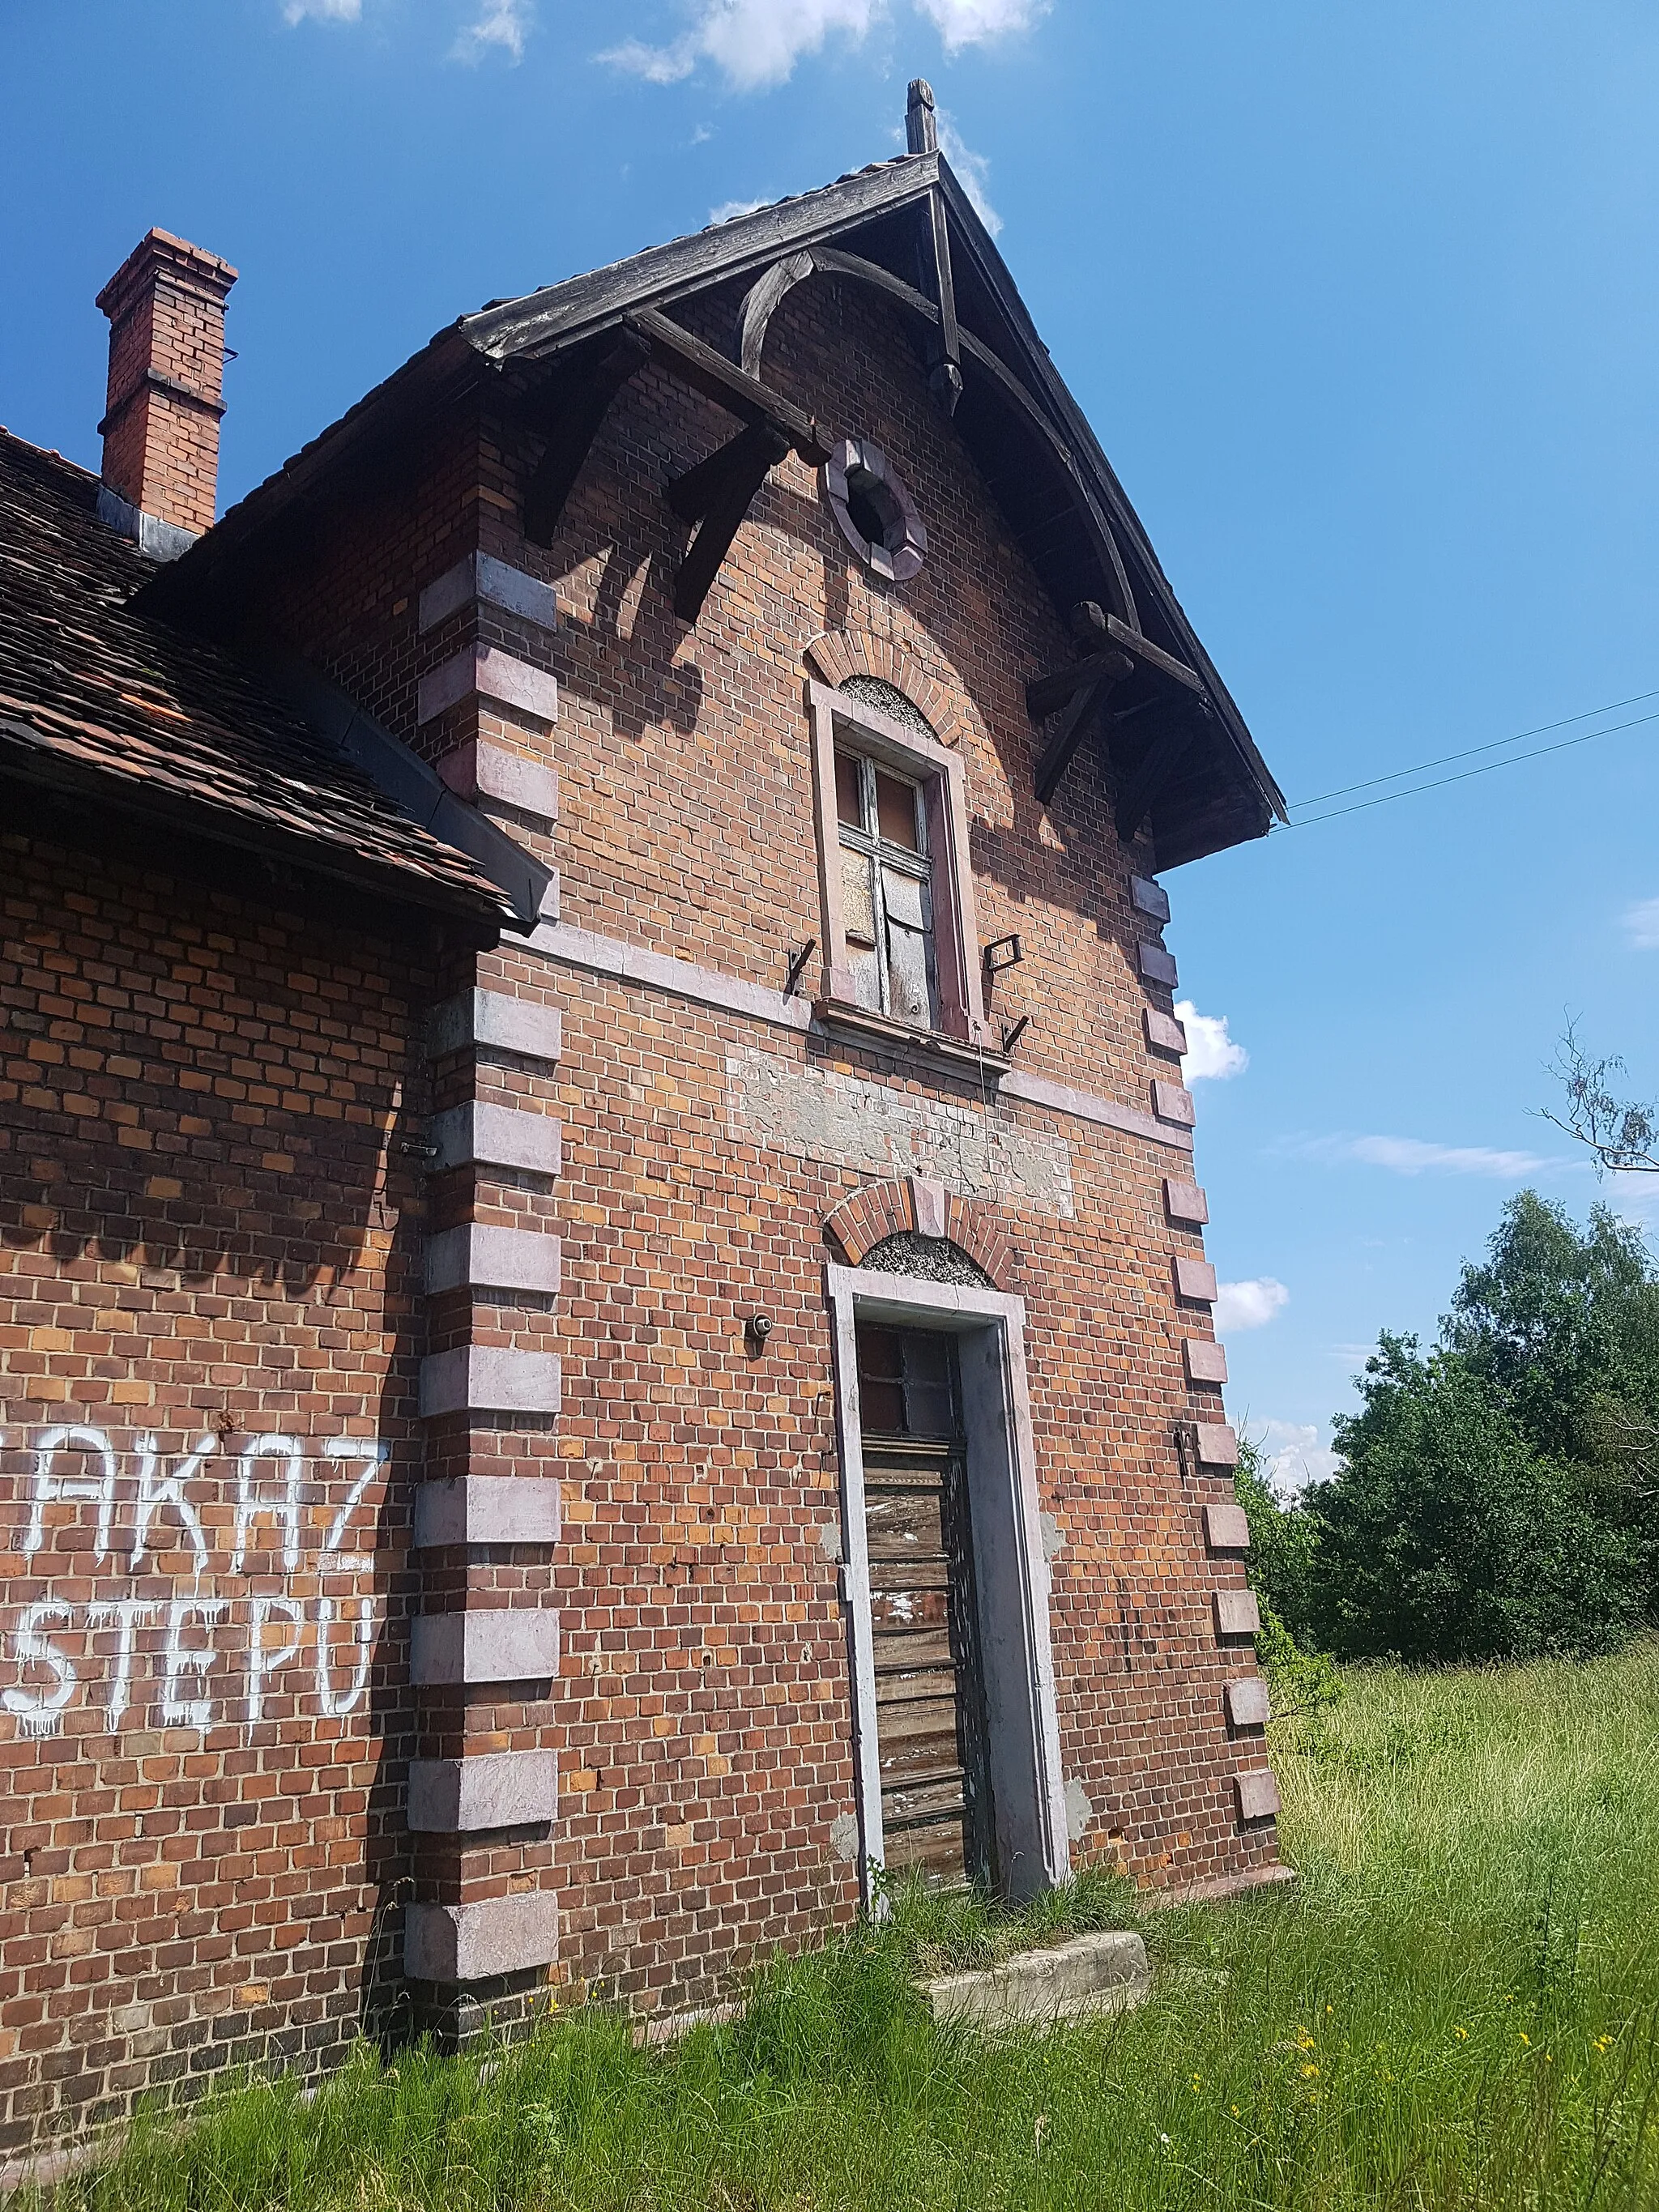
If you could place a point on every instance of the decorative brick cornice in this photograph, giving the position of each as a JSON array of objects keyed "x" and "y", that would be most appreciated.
[
  {"x": 840, "y": 654},
  {"x": 881, "y": 1209}
]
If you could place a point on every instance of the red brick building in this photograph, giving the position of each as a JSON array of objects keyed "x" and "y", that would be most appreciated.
[{"x": 604, "y": 1327}]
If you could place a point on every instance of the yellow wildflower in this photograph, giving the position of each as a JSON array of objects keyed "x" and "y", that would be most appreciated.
[{"x": 1461, "y": 2033}]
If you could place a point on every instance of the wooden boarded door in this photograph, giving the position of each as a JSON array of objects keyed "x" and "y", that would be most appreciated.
[{"x": 930, "y": 1698}]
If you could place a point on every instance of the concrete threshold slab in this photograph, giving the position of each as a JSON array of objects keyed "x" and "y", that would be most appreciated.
[{"x": 1089, "y": 1976}]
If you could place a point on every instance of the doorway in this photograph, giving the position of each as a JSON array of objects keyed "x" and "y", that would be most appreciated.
[
  {"x": 956, "y": 1733},
  {"x": 924, "y": 1608}
]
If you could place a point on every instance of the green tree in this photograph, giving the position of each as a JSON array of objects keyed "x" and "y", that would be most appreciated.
[{"x": 1449, "y": 1536}]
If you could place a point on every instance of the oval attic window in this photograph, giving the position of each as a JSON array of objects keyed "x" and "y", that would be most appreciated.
[{"x": 877, "y": 515}]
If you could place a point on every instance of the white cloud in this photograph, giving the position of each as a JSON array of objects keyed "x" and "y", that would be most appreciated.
[
  {"x": 1210, "y": 1053},
  {"x": 1250, "y": 1304},
  {"x": 500, "y": 23},
  {"x": 1293, "y": 1456},
  {"x": 972, "y": 169},
  {"x": 1411, "y": 1156},
  {"x": 1641, "y": 921},
  {"x": 729, "y": 211},
  {"x": 757, "y": 43},
  {"x": 967, "y": 23},
  {"x": 326, "y": 11}
]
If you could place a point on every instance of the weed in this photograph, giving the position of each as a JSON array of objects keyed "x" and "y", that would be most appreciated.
[{"x": 1457, "y": 2010}]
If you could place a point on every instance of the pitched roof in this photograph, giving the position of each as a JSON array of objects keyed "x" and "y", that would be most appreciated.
[
  {"x": 1027, "y": 435},
  {"x": 99, "y": 698}
]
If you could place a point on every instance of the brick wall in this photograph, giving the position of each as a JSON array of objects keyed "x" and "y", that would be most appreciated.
[{"x": 205, "y": 1237}]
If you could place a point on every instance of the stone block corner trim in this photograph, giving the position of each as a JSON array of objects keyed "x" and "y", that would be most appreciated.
[
  {"x": 1257, "y": 1793},
  {"x": 474, "y": 1135},
  {"x": 1217, "y": 1444},
  {"x": 1195, "y": 1280},
  {"x": 496, "y": 1022},
  {"x": 450, "y": 1944},
  {"x": 1163, "y": 1032},
  {"x": 1206, "y": 1360},
  {"x": 475, "y": 1378},
  {"x": 480, "y": 576},
  {"x": 1155, "y": 965},
  {"x": 475, "y": 1256},
  {"x": 478, "y": 769},
  {"x": 499, "y": 1644},
  {"x": 1173, "y": 1102},
  {"x": 1246, "y": 1702},
  {"x": 1226, "y": 1528},
  {"x": 1150, "y": 897},
  {"x": 1184, "y": 1201},
  {"x": 485, "y": 1790},
  {"x": 487, "y": 1508},
  {"x": 484, "y": 672},
  {"x": 1237, "y": 1613}
]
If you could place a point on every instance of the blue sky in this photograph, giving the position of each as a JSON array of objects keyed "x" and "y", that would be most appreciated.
[{"x": 1361, "y": 303}]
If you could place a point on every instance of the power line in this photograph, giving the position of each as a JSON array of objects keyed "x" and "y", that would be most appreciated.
[
  {"x": 1542, "y": 729},
  {"x": 1492, "y": 767}
]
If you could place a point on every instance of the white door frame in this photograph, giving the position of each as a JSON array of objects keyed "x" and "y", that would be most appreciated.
[{"x": 1027, "y": 1789}]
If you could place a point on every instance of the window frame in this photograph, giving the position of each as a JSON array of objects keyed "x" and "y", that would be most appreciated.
[
  {"x": 879, "y": 855},
  {"x": 958, "y": 1009}
]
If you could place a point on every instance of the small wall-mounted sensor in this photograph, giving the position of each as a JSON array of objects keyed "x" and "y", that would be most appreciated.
[{"x": 758, "y": 1328}]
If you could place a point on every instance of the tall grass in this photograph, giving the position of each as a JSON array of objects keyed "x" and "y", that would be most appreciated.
[{"x": 1457, "y": 2007}]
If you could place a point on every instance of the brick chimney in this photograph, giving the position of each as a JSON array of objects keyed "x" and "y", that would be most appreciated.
[{"x": 166, "y": 304}]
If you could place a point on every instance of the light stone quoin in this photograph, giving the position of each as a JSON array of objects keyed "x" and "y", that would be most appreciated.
[
  {"x": 474, "y": 1135},
  {"x": 482, "y": 1508},
  {"x": 495, "y": 1645},
  {"x": 478, "y": 1255},
  {"x": 473, "y": 1378},
  {"x": 485, "y": 1790},
  {"x": 452, "y": 1943},
  {"x": 496, "y": 1021}
]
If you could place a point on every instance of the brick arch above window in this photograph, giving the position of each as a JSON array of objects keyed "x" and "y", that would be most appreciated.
[
  {"x": 917, "y": 1206},
  {"x": 840, "y": 654}
]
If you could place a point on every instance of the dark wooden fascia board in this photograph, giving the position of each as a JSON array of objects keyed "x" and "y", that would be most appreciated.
[{"x": 542, "y": 322}]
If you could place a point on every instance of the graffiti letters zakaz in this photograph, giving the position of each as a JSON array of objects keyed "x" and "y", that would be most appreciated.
[{"x": 263, "y": 1622}]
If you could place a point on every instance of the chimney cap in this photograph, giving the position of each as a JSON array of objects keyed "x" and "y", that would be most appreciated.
[{"x": 158, "y": 248}]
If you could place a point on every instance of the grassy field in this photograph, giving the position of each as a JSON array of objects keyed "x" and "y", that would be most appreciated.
[{"x": 1458, "y": 2006}]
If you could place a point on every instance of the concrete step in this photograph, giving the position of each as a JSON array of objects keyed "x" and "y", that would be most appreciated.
[{"x": 1090, "y": 1975}]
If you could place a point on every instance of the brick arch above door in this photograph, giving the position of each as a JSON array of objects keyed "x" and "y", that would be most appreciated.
[
  {"x": 840, "y": 654},
  {"x": 917, "y": 1206}
]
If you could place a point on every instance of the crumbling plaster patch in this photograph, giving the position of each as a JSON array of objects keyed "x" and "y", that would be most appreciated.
[{"x": 819, "y": 1113}]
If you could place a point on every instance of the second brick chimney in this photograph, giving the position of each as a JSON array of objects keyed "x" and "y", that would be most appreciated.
[{"x": 166, "y": 304}]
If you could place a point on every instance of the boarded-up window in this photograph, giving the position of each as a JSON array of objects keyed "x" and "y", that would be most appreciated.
[{"x": 886, "y": 890}]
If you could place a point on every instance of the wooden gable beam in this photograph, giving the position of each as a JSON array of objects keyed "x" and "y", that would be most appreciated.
[
  {"x": 1081, "y": 715},
  {"x": 1163, "y": 756},
  {"x": 575, "y": 426},
  {"x": 1044, "y": 693},
  {"x": 921, "y": 137},
  {"x": 716, "y": 495},
  {"x": 726, "y": 384}
]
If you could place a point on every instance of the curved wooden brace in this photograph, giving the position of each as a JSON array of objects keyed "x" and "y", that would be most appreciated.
[{"x": 759, "y": 303}]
